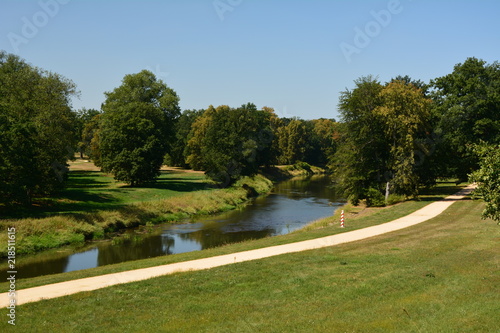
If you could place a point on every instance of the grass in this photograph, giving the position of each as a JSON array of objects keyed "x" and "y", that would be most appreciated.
[
  {"x": 356, "y": 218},
  {"x": 90, "y": 191},
  {"x": 438, "y": 276},
  {"x": 93, "y": 206}
]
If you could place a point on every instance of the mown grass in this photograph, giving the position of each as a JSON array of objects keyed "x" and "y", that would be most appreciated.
[
  {"x": 356, "y": 218},
  {"x": 90, "y": 191},
  {"x": 94, "y": 210},
  {"x": 438, "y": 276}
]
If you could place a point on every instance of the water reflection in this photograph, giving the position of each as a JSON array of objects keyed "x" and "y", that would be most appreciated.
[{"x": 292, "y": 204}]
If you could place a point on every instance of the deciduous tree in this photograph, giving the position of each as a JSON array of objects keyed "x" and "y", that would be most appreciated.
[
  {"x": 36, "y": 129},
  {"x": 136, "y": 128}
]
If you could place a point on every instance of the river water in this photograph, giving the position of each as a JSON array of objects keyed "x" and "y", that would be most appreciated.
[{"x": 291, "y": 205}]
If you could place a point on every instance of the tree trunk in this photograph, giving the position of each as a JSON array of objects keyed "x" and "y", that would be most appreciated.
[{"x": 387, "y": 187}]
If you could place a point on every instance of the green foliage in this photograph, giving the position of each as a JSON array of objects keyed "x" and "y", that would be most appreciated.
[
  {"x": 36, "y": 130},
  {"x": 488, "y": 179},
  {"x": 300, "y": 166},
  {"x": 229, "y": 143},
  {"x": 374, "y": 198},
  {"x": 380, "y": 136},
  {"x": 394, "y": 199},
  {"x": 321, "y": 141},
  {"x": 291, "y": 141},
  {"x": 135, "y": 128},
  {"x": 405, "y": 115},
  {"x": 360, "y": 159},
  {"x": 178, "y": 151},
  {"x": 87, "y": 123},
  {"x": 467, "y": 109}
]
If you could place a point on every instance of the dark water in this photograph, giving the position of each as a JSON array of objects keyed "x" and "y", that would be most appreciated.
[{"x": 291, "y": 205}]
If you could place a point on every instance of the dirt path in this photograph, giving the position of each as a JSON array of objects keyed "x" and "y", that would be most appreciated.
[{"x": 97, "y": 282}]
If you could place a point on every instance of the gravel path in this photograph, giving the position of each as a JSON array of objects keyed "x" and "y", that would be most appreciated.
[{"x": 97, "y": 282}]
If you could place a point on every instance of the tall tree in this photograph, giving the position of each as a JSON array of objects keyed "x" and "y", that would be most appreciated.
[
  {"x": 136, "y": 128},
  {"x": 360, "y": 160},
  {"x": 404, "y": 114},
  {"x": 467, "y": 106},
  {"x": 36, "y": 129},
  {"x": 86, "y": 124},
  {"x": 292, "y": 142},
  {"x": 229, "y": 143}
]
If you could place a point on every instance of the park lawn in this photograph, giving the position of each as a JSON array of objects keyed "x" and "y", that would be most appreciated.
[
  {"x": 91, "y": 191},
  {"x": 438, "y": 276}
]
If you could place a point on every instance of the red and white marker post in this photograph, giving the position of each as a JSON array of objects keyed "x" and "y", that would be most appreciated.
[{"x": 342, "y": 219}]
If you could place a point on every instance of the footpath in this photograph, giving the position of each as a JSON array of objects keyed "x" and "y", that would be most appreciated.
[{"x": 92, "y": 283}]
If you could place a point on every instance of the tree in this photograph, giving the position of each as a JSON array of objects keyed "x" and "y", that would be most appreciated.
[
  {"x": 229, "y": 143},
  {"x": 361, "y": 157},
  {"x": 404, "y": 115},
  {"x": 36, "y": 130},
  {"x": 384, "y": 128},
  {"x": 467, "y": 109},
  {"x": 86, "y": 125},
  {"x": 178, "y": 152},
  {"x": 488, "y": 179},
  {"x": 89, "y": 137},
  {"x": 321, "y": 137},
  {"x": 136, "y": 128},
  {"x": 291, "y": 142}
]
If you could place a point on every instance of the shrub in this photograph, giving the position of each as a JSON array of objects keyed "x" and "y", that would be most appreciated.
[
  {"x": 374, "y": 198},
  {"x": 394, "y": 199}
]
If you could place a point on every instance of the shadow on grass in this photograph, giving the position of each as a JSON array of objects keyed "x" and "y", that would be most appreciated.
[
  {"x": 173, "y": 184},
  {"x": 443, "y": 189},
  {"x": 91, "y": 191}
]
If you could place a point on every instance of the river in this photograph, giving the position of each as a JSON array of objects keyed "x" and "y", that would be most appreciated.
[{"x": 291, "y": 205}]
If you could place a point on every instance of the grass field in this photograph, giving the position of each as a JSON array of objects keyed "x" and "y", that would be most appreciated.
[
  {"x": 93, "y": 206},
  {"x": 89, "y": 190},
  {"x": 439, "y": 276}
]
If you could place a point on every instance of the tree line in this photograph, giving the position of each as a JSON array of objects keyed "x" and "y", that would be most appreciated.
[{"x": 392, "y": 138}]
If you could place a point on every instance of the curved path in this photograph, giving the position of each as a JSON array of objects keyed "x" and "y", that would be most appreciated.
[{"x": 102, "y": 281}]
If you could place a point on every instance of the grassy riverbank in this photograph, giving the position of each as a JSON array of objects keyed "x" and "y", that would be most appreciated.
[
  {"x": 356, "y": 218},
  {"x": 439, "y": 276},
  {"x": 93, "y": 206}
]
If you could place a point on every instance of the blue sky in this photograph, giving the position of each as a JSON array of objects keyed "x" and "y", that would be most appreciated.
[{"x": 295, "y": 56}]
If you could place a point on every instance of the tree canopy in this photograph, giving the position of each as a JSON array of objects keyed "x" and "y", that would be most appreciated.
[
  {"x": 467, "y": 109},
  {"x": 135, "y": 128},
  {"x": 379, "y": 136},
  {"x": 36, "y": 129},
  {"x": 230, "y": 142}
]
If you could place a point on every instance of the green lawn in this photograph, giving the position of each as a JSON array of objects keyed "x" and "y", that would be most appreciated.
[
  {"x": 439, "y": 276},
  {"x": 88, "y": 191},
  {"x": 93, "y": 207}
]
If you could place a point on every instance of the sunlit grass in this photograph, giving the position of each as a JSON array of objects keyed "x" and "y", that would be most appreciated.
[
  {"x": 356, "y": 218},
  {"x": 438, "y": 276}
]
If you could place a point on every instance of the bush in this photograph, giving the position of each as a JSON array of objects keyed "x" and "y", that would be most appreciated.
[
  {"x": 394, "y": 199},
  {"x": 374, "y": 198}
]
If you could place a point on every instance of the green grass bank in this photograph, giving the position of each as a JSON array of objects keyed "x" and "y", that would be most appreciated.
[
  {"x": 438, "y": 276},
  {"x": 94, "y": 206},
  {"x": 356, "y": 218}
]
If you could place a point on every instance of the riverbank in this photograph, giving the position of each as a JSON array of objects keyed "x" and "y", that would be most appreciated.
[
  {"x": 95, "y": 220},
  {"x": 95, "y": 207},
  {"x": 356, "y": 218}
]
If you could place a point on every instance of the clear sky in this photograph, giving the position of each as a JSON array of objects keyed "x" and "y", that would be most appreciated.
[{"x": 295, "y": 56}]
